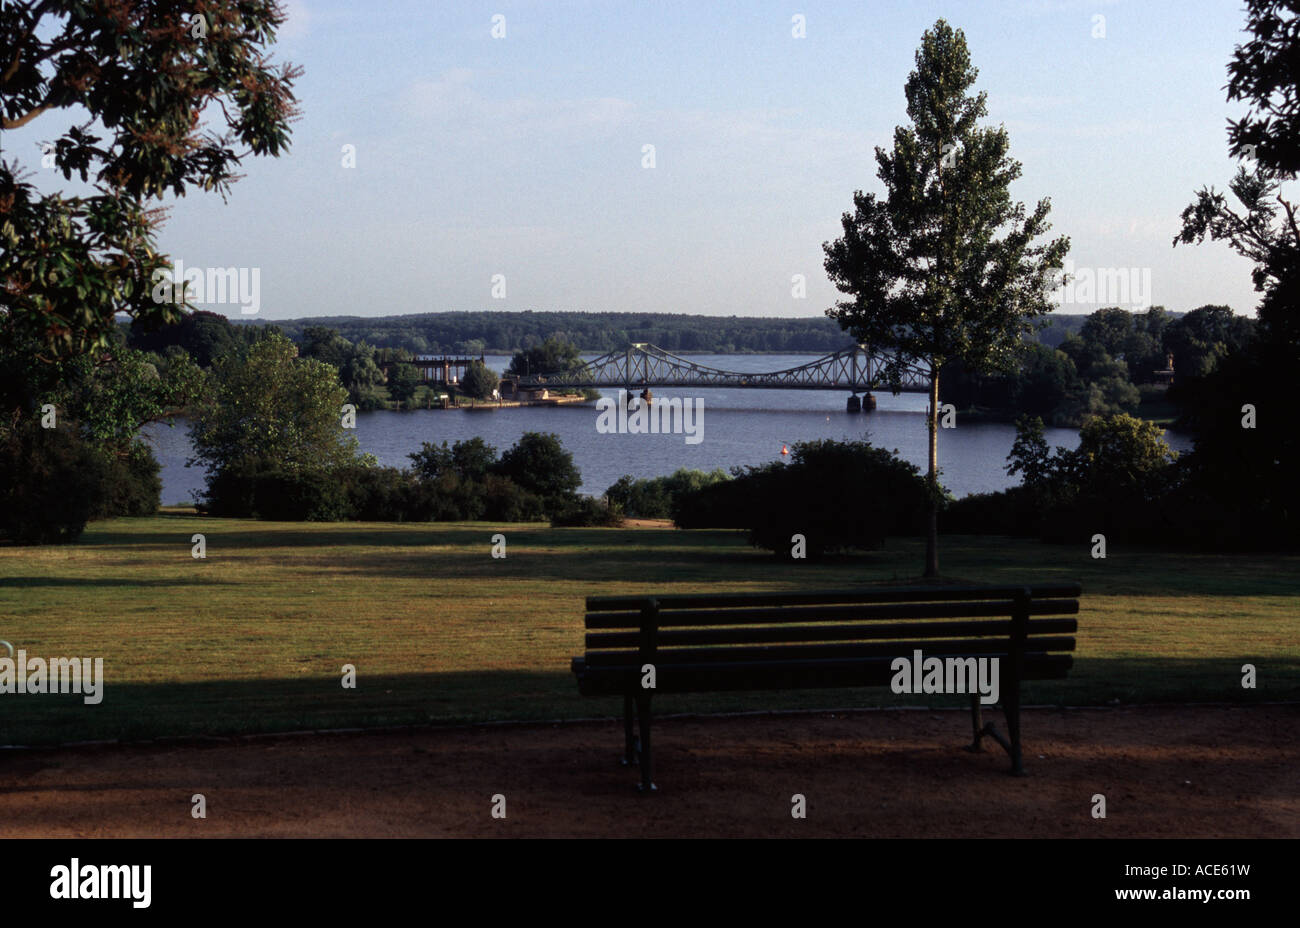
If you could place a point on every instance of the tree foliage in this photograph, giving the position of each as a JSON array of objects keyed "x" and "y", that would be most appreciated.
[
  {"x": 550, "y": 357},
  {"x": 945, "y": 267},
  {"x": 148, "y": 80},
  {"x": 539, "y": 464},
  {"x": 272, "y": 405},
  {"x": 834, "y": 495},
  {"x": 656, "y": 497},
  {"x": 479, "y": 382},
  {"x": 1262, "y": 74},
  {"x": 403, "y": 381},
  {"x": 1245, "y": 474}
]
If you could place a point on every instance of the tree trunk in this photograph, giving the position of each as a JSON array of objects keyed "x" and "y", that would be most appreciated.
[{"x": 932, "y": 513}]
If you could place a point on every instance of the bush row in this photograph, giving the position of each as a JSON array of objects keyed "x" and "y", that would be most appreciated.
[{"x": 55, "y": 482}]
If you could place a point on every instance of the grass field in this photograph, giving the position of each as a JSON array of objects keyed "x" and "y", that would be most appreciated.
[{"x": 253, "y": 638}]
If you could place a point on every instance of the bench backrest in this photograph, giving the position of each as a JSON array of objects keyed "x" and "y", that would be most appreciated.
[{"x": 847, "y": 636}]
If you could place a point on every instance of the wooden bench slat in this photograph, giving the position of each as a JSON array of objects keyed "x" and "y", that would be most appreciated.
[
  {"x": 801, "y": 652},
  {"x": 853, "y": 612},
  {"x": 596, "y": 641},
  {"x": 826, "y": 597}
]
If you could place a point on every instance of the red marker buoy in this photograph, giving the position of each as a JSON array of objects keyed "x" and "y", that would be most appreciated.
[{"x": 784, "y": 450}]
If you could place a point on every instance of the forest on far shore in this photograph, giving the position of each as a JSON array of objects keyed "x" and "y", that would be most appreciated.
[{"x": 497, "y": 332}]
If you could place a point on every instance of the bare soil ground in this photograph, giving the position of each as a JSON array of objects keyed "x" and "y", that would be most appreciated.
[{"x": 1190, "y": 771}]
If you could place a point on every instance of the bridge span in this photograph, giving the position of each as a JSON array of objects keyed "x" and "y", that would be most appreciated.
[{"x": 854, "y": 369}]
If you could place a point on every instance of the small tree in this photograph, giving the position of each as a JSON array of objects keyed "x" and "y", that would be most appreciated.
[
  {"x": 479, "y": 382},
  {"x": 539, "y": 464},
  {"x": 471, "y": 460},
  {"x": 403, "y": 381},
  {"x": 273, "y": 406},
  {"x": 930, "y": 280}
]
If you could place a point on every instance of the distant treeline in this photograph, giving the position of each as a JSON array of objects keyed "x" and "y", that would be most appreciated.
[{"x": 470, "y": 333}]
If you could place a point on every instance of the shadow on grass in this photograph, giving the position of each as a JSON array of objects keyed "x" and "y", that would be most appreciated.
[
  {"x": 35, "y": 582},
  {"x": 665, "y": 555},
  {"x": 142, "y": 711}
]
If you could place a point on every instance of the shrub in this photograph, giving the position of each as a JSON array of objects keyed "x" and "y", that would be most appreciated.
[
  {"x": 586, "y": 512},
  {"x": 539, "y": 464},
  {"x": 654, "y": 498},
  {"x": 837, "y": 495},
  {"x": 506, "y": 501},
  {"x": 1016, "y": 511},
  {"x": 53, "y": 482},
  {"x": 263, "y": 489},
  {"x": 378, "y": 494},
  {"x": 132, "y": 485},
  {"x": 456, "y": 499},
  {"x": 1117, "y": 482},
  {"x": 305, "y": 496}
]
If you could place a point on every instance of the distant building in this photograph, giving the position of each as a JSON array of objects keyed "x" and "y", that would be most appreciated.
[
  {"x": 439, "y": 369},
  {"x": 1166, "y": 375}
]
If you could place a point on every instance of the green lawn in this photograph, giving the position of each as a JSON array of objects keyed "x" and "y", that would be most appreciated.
[{"x": 254, "y": 637}]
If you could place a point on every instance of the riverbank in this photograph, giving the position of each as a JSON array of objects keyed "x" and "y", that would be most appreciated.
[
  {"x": 519, "y": 404},
  {"x": 1153, "y": 408}
]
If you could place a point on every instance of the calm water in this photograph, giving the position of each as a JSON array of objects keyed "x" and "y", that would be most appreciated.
[{"x": 739, "y": 427}]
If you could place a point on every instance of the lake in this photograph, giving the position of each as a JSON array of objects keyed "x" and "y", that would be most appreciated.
[{"x": 738, "y": 427}]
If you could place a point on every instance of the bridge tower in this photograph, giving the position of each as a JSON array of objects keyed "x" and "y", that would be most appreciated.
[
  {"x": 627, "y": 376},
  {"x": 854, "y": 404},
  {"x": 867, "y": 402}
]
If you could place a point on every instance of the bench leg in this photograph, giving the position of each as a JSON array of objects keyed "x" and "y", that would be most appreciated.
[
  {"x": 647, "y": 770},
  {"x": 629, "y": 737},
  {"x": 976, "y": 726},
  {"x": 1011, "y": 705}
]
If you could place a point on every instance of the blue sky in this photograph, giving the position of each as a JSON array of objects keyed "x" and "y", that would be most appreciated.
[{"x": 522, "y": 156}]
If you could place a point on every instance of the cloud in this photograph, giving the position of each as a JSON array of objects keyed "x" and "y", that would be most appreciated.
[{"x": 452, "y": 100}]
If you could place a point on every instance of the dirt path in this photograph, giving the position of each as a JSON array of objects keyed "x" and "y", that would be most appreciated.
[{"x": 1164, "y": 772}]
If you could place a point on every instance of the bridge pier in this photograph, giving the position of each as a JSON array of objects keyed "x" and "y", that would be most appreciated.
[
  {"x": 869, "y": 402},
  {"x": 854, "y": 404},
  {"x": 865, "y": 404}
]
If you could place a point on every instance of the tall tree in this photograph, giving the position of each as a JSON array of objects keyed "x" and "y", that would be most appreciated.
[
  {"x": 930, "y": 281},
  {"x": 1251, "y": 468}
]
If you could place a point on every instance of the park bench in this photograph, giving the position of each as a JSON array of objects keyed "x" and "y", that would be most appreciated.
[{"x": 713, "y": 642}]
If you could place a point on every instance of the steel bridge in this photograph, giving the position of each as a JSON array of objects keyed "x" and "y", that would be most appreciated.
[{"x": 855, "y": 369}]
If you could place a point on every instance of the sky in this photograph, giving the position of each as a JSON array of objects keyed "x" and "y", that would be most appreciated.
[{"x": 509, "y": 172}]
